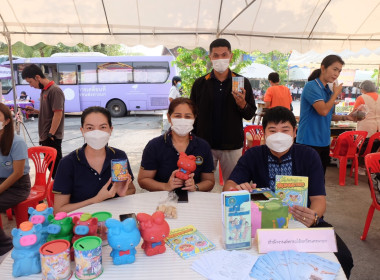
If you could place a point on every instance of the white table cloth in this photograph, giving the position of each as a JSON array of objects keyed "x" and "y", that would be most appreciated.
[{"x": 203, "y": 211}]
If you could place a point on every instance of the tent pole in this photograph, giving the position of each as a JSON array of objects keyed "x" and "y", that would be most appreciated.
[{"x": 15, "y": 107}]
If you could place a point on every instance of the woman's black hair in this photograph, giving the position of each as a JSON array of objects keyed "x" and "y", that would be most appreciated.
[
  {"x": 326, "y": 62},
  {"x": 176, "y": 79},
  {"x": 179, "y": 101},
  {"x": 8, "y": 131},
  {"x": 278, "y": 115},
  {"x": 96, "y": 109}
]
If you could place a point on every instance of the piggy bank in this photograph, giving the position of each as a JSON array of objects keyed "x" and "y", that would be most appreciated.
[
  {"x": 60, "y": 227},
  {"x": 123, "y": 237},
  {"x": 26, "y": 255},
  {"x": 154, "y": 229},
  {"x": 83, "y": 226},
  {"x": 186, "y": 165},
  {"x": 40, "y": 216}
]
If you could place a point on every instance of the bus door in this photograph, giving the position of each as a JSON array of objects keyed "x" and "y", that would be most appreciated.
[{"x": 68, "y": 81}]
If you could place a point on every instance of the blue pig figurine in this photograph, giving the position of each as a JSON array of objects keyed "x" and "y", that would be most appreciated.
[
  {"x": 40, "y": 216},
  {"x": 123, "y": 237},
  {"x": 26, "y": 255}
]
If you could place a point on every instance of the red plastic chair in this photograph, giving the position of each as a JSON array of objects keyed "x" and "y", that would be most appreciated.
[
  {"x": 347, "y": 147},
  {"x": 38, "y": 191},
  {"x": 257, "y": 133},
  {"x": 49, "y": 194},
  {"x": 372, "y": 164},
  {"x": 370, "y": 143}
]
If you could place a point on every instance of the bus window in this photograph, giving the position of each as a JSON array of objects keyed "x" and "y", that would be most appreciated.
[
  {"x": 115, "y": 72},
  {"x": 151, "y": 72},
  {"x": 67, "y": 74},
  {"x": 87, "y": 73},
  {"x": 21, "y": 81}
]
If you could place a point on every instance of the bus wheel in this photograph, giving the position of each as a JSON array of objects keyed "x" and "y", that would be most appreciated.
[{"x": 117, "y": 108}]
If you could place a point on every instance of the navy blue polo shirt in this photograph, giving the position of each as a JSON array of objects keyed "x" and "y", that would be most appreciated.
[
  {"x": 77, "y": 178},
  {"x": 256, "y": 165},
  {"x": 160, "y": 155}
]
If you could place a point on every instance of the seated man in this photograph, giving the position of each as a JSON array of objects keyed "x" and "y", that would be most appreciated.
[{"x": 280, "y": 156}]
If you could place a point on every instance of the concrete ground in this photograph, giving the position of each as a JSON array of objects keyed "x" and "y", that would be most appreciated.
[{"x": 347, "y": 206}]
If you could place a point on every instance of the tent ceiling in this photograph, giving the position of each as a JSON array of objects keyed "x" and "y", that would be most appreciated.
[
  {"x": 363, "y": 59},
  {"x": 248, "y": 24}
]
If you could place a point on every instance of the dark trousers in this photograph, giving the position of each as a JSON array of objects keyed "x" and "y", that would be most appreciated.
[
  {"x": 56, "y": 144},
  {"x": 15, "y": 194},
  {"x": 12, "y": 196},
  {"x": 324, "y": 154},
  {"x": 343, "y": 255}
]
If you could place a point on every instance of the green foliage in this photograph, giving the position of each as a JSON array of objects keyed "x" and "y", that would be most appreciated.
[
  {"x": 195, "y": 63},
  {"x": 276, "y": 60}
]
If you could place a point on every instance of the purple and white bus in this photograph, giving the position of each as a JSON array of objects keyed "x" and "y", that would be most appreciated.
[{"x": 119, "y": 83}]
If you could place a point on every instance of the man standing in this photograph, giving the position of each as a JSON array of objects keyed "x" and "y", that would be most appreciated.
[
  {"x": 221, "y": 110},
  {"x": 51, "y": 113},
  {"x": 276, "y": 94}
]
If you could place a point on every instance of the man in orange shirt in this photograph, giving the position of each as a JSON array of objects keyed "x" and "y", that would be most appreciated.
[{"x": 277, "y": 95}]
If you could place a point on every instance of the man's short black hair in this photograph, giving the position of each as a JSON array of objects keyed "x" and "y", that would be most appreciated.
[
  {"x": 220, "y": 43},
  {"x": 274, "y": 77},
  {"x": 30, "y": 71},
  {"x": 278, "y": 115}
]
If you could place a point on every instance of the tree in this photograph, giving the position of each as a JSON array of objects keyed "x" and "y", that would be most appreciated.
[
  {"x": 276, "y": 60},
  {"x": 195, "y": 63}
]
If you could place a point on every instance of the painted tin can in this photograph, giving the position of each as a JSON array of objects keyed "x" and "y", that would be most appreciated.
[
  {"x": 88, "y": 257},
  {"x": 119, "y": 170},
  {"x": 102, "y": 229},
  {"x": 55, "y": 260}
]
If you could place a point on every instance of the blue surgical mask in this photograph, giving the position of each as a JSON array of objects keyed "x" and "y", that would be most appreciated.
[{"x": 178, "y": 85}]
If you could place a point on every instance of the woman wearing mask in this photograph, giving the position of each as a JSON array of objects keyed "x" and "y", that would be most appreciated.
[
  {"x": 84, "y": 176},
  {"x": 14, "y": 170},
  {"x": 160, "y": 156},
  {"x": 174, "y": 90},
  {"x": 317, "y": 106}
]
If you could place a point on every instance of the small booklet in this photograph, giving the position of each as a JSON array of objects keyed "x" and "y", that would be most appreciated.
[
  {"x": 292, "y": 190},
  {"x": 236, "y": 217},
  {"x": 188, "y": 241}
]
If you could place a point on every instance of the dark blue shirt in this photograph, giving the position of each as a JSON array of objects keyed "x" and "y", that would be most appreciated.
[
  {"x": 160, "y": 155},
  {"x": 77, "y": 178},
  {"x": 253, "y": 166}
]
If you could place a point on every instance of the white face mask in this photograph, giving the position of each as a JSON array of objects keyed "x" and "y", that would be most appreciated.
[
  {"x": 97, "y": 139},
  {"x": 1, "y": 125},
  {"x": 182, "y": 126},
  {"x": 220, "y": 65},
  {"x": 279, "y": 142}
]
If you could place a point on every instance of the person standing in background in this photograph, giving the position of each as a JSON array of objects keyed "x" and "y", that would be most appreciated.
[
  {"x": 317, "y": 106},
  {"x": 221, "y": 110},
  {"x": 276, "y": 94},
  {"x": 175, "y": 89},
  {"x": 52, "y": 109},
  {"x": 371, "y": 123}
]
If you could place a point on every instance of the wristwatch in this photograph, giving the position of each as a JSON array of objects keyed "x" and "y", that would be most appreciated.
[
  {"x": 316, "y": 219},
  {"x": 51, "y": 135},
  {"x": 196, "y": 188}
]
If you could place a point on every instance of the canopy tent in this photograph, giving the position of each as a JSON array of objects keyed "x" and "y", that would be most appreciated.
[
  {"x": 250, "y": 25},
  {"x": 363, "y": 59},
  {"x": 298, "y": 74},
  {"x": 256, "y": 71}
]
